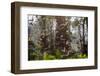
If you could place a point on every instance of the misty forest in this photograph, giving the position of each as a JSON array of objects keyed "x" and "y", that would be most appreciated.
[{"x": 57, "y": 37}]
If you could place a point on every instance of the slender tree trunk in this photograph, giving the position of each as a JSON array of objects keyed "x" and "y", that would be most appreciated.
[
  {"x": 83, "y": 26},
  {"x": 83, "y": 32},
  {"x": 87, "y": 24},
  {"x": 80, "y": 42}
]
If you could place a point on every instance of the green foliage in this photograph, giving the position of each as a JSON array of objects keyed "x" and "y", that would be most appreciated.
[
  {"x": 77, "y": 56},
  {"x": 47, "y": 56},
  {"x": 73, "y": 56},
  {"x": 58, "y": 54},
  {"x": 82, "y": 56},
  {"x": 31, "y": 57},
  {"x": 36, "y": 54}
]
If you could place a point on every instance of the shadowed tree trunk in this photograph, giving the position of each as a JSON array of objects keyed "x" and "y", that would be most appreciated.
[{"x": 84, "y": 45}]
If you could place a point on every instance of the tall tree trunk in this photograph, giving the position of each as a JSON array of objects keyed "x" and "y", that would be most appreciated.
[
  {"x": 87, "y": 24},
  {"x": 84, "y": 46},
  {"x": 83, "y": 32},
  {"x": 80, "y": 42}
]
